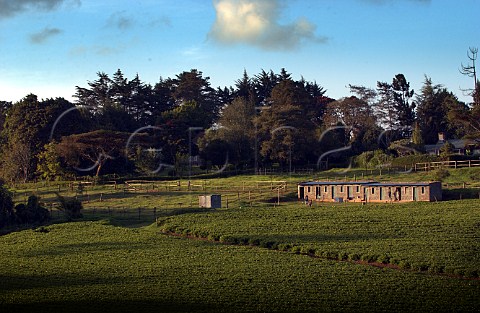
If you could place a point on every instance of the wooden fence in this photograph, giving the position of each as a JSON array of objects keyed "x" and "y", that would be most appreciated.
[{"x": 446, "y": 164}]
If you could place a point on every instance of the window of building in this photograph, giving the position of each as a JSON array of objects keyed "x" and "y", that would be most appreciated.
[
  {"x": 341, "y": 188},
  {"x": 423, "y": 190},
  {"x": 358, "y": 189},
  {"x": 308, "y": 189},
  {"x": 325, "y": 189},
  {"x": 373, "y": 191}
]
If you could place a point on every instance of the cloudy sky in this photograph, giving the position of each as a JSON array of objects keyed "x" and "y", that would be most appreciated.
[{"x": 47, "y": 47}]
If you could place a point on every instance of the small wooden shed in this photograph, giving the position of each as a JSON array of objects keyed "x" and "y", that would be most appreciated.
[{"x": 210, "y": 201}]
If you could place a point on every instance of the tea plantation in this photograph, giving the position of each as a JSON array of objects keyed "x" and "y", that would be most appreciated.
[
  {"x": 93, "y": 266},
  {"x": 254, "y": 256}
]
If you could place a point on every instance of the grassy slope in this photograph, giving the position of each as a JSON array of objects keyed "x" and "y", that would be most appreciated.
[{"x": 91, "y": 266}]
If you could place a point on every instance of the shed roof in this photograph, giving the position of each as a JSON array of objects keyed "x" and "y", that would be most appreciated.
[
  {"x": 399, "y": 184},
  {"x": 328, "y": 183},
  {"x": 366, "y": 183}
]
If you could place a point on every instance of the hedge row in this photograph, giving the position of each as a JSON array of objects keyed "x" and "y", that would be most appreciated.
[{"x": 382, "y": 259}]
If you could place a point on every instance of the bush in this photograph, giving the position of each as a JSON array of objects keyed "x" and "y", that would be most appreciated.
[
  {"x": 6, "y": 206},
  {"x": 353, "y": 257},
  {"x": 284, "y": 247},
  {"x": 440, "y": 174},
  {"x": 373, "y": 159},
  {"x": 296, "y": 249},
  {"x": 410, "y": 160},
  {"x": 404, "y": 265},
  {"x": 254, "y": 241},
  {"x": 228, "y": 239},
  {"x": 32, "y": 212},
  {"x": 342, "y": 256},
  {"x": 368, "y": 258},
  {"x": 71, "y": 207},
  {"x": 384, "y": 259}
]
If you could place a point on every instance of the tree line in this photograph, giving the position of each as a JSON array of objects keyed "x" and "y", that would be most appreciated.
[{"x": 126, "y": 126}]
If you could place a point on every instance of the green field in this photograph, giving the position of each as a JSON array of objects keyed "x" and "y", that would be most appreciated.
[{"x": 255, "y": 255}]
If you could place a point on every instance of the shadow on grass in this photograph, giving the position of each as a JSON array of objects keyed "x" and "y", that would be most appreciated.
[
  {"x": 159, "y": 305},
  {"x": 461, "y": 193}
]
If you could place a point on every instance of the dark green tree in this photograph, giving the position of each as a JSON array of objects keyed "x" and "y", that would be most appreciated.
[
  {"x": 192, "y": 86},
  {"x": 7, "y": 215},
  {"x": 244, "y": 88},
  {"x": 398, "y": 111},
  {"x": 98, "y": 94},
  {"x": 434, "y": 104},
  {"x": 49, "y": 164},
  {"x": 285, "y": 132},
  {"x": 235, "y": 128},
  {"x": 91, "y": 151},
  {"x": 181, "y": 125},
  {"x": 29, "y": 125},
  {"x": 264, "y": 84}
]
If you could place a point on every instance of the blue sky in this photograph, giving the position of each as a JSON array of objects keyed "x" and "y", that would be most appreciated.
[{"x": 47, "y": 47}]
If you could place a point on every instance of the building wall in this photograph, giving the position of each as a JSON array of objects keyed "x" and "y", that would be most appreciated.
[
  {"x": 358, "y": 193},
  {"x": 328, "y": 193}
]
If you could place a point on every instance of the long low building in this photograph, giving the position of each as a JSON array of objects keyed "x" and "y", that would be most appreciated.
[{"x": 369, "y": 191}]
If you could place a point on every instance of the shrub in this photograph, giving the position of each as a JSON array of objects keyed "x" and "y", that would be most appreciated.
[
  {"x": 471, "y": 274},
  {"x": 404, "y": 265},
  {"x": 243, "y": 240},
  {"x": 353, "y": 257},
  {"x": 32, "y": 212},
  {"x": 410, "y": 160},
  {"x": 342, "y": 256},
  {"x": 296, "y": 249},
  {"x": 368, "y": 258},
  {"x": 71, "y": 207},
  {"x": 440, "y": 174},
  {"x": 254, "y": 241},
  {"x": 384, "y": 259},
  {"x": 214, "y": 237},
  {"x": 6, "y": 206},
  {"x": 227, "y": 239},
  {"x": 284, "y": 247},
  {"x": 459, "y": 272}
]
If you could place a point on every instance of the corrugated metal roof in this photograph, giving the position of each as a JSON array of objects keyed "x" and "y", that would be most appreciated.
[
  {"x": 327, "y": 183},
  {"x": 398, "y": 184},
  {"x": 364, "y": 183}
]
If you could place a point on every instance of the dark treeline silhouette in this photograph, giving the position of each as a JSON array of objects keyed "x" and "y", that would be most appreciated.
[{"x": 126, "y": 126}]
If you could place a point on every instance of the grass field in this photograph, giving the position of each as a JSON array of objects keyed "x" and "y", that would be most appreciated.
[
  {"x": 254, "y": 255},
  {"x": 93, "y": 266},
  {"x": 438, "y": 237}
]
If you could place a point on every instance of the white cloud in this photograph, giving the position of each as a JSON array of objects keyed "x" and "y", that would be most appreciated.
[
  {"x": 256, "y": 22},
  {"x": 44, "y": 35}
]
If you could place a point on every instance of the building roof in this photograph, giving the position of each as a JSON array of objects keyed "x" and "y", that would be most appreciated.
[
  {"x": 328, "y": 183},
  {"x": 397, "y": 184},
  {"x": 365, "y": 183},
  {"x": 457, "y": 144}
]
